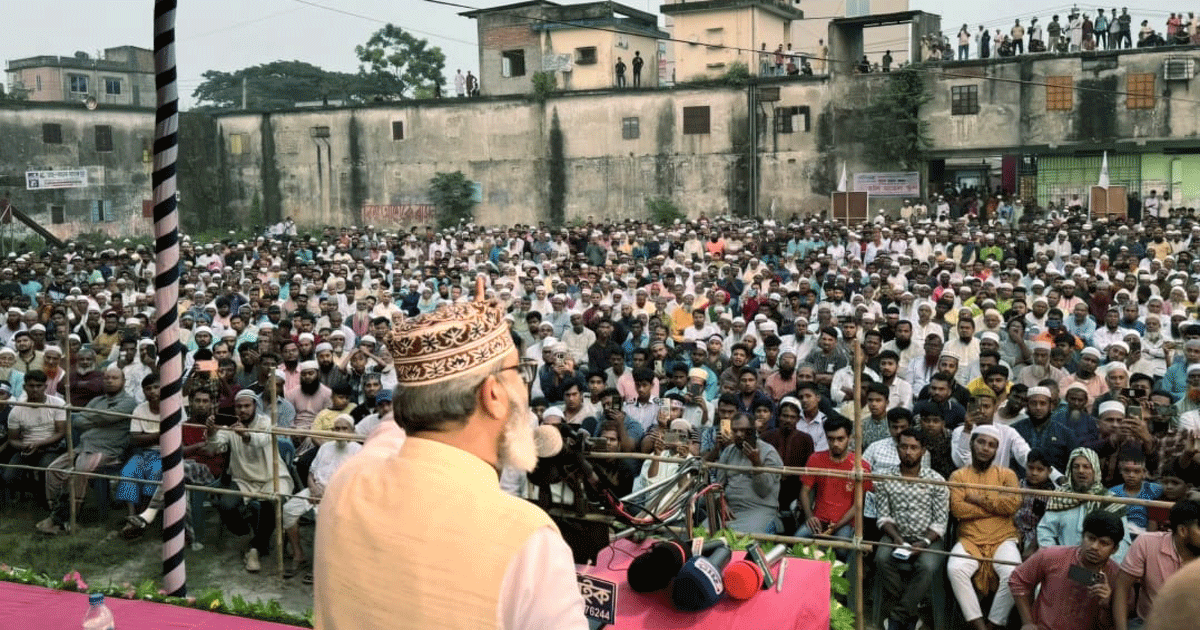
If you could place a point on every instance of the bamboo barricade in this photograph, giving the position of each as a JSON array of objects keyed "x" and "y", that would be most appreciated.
[{"x": 856, "y": 545}]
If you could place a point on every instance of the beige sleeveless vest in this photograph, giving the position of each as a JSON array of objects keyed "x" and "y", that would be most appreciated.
[{"x": 420, "y": 540}]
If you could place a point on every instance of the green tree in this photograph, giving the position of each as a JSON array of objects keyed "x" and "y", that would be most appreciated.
[
  {"x": 544, "y": 84},
  {"x": 281, "y": 84},
  {"x": 16, "y": 94},
  {"x": 400, "y": 61},
  {"x": 893, "y": 132},
  {"x": 454, "y": 197}
]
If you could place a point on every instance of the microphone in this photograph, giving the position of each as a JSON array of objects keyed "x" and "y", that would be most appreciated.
[
  {"x": 699, "y": 585},
  {"x": 745, "y": 578},
  {"x": 548, "y": 440},
  {"x": 654, "y": 569}
]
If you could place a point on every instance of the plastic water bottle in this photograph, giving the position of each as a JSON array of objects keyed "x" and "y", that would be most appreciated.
[{"x": 98, "y": 616}]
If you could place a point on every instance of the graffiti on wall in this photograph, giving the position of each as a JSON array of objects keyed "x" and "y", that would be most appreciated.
[{"x": 399, "y": 214}]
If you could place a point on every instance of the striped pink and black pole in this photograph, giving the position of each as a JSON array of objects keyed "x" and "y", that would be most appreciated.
[{"x": 166, "y": 297}]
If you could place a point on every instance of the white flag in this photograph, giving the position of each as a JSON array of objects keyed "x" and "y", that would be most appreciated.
[
  {"x": 842, "y": 181},
  {"x": 1104, "y": 172}
]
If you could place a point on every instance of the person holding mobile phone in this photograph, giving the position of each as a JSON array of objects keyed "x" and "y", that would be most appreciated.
[
  {"x": 753, "y": 497},
  {"x": 1074, "y": 584}
]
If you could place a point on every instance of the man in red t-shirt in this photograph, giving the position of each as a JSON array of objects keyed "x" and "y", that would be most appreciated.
[{"x": 828, "y": 502}]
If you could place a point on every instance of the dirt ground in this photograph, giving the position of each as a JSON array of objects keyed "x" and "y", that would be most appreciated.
[{"x": 102, "y": 557}]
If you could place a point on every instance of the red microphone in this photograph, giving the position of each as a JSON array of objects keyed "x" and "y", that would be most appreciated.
[{"x": 744, "y": 578}]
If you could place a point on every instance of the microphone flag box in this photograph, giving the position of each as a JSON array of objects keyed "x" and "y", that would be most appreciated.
[{"x": 599, "y": 598}]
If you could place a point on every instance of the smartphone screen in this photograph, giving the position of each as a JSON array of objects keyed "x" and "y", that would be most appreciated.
[
  {"x": 1081, "y": 575},
  {"x": 695, "y": 388},
  {"x": 727, "y": 427},
  {"x": 1134, "y": 411}
]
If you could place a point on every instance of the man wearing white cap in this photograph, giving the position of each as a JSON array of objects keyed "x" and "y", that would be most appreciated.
[
  {"x": 986, "y": 531},
  {"x": 310, "y": 396},
  {"x": 251, "y": 467},
  {"x": 1039, "y": 430},
  {"x": 1086, "y": 375},
  {"x": 1013, "y": 447},
  {"x": 1041, "y": 369}
]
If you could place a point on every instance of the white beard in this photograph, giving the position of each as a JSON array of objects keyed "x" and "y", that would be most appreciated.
[{"x": 517, "y": 448}]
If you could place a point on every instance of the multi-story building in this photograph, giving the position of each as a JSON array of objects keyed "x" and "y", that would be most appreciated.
[
  {"x": 580, "y": 43},
  {"x": 712, "y": 35},
  {"x": 122, "y": 76}
]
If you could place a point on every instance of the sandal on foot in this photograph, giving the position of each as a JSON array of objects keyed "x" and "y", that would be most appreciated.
[
  {"x": 135, "y": 527},
  {"x": 292, "y": 569}
]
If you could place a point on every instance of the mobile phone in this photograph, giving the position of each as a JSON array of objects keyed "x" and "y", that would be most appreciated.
[
  {"x": 597, "y": 444},
  {"x": 727, "y": 428},
  {"x": 1130, "y": 392},
  {"x": 1134, "y": 411},
  {"x": 675, "y": 438},
  {"x": 972, "y": 406},
  {"x": 1081, "y": 575},
  {"x": 695, "y": 389},
  {"x": 560, "y": 360},
  {"x": 902, "y": 554}
]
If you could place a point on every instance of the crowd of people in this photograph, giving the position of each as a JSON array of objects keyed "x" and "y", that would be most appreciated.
[
  {"x": 1077, "y": 31},
  {"x": 1030, "y": 350}
]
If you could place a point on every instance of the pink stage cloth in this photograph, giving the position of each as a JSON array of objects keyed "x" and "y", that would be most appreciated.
[
  {"x": 34, "y": 607},
  {"x": 803, "y": 604}
]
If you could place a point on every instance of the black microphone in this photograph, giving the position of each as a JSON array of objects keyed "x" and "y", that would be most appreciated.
[
  {"x": 699, "y": 585},
  {"x": 656, "y": 567}
]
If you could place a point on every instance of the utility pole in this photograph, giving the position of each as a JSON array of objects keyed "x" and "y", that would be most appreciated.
[{"x": 243, "y": 92}]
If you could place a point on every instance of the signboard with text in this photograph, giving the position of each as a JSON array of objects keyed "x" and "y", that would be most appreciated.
[
  {"x": 889, "y": 184},
  {"x": 599, "y": 598},
  {"x": 404, "y": 213},
  {"x": 51, "y": 180}
]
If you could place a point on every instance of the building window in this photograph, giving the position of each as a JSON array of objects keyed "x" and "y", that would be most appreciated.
[
  {"x": 319, "y": 132},
  {"x": 631, "y": 128},
  {"x": 104, "y": 142},
  {"x": 397, "y": 130},
  {"x": 1060, "y": 92},
  {"x": 1140, "y": 90},
  {"x": 512, "y": 63},
  {"x": 855, "y": 8},
  {"x": 964, "y": 100},
  {"x": 585, "y": 56},
  {"x": 38, "y": 80},
  {"x": 52, "y": 133},
  {"x": 112, "y": 87},
  {"x": 239, "y": 143},
  {"x": 695, "y": 120},
  {"x": 791, "y": 119},
  {"x": 102, "y": 212},
  {"x": 58, "y": 215},
  {"x": 79, "y": 84},
  {"x": 715, "y": 38}
]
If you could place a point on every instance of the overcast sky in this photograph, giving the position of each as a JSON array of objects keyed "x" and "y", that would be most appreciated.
[{"x": 231, "y": 34}]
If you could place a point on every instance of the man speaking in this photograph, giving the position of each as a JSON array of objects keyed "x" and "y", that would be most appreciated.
[{"x": 423, "y": 537}]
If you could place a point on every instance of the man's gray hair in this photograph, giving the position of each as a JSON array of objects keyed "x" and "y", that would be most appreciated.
[{"x": 442, "y": 406}]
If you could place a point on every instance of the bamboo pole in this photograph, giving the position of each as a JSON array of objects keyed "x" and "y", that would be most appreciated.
[
  {"x": 273, "y": 389},
  {"x": 858, "y": 487},
  {"x": 70, "y": 437}
]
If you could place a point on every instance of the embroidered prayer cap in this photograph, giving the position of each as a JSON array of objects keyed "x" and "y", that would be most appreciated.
[
  {"x": 448, "y": 342},
  {"x": 986, "y": 429},
  {"x": 1039, "y": 391}
]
